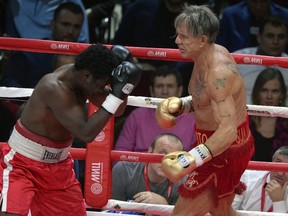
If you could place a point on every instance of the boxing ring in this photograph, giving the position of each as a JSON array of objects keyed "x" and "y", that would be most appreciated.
[{"x": 98, "y": 154}]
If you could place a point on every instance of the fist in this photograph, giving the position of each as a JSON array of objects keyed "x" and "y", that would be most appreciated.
[
  {"x": 124, "y": 79},
  {"x": 167, "y": 111},
  {"x": 122, "y": 53},
  {"x": 177, "y": 164}
]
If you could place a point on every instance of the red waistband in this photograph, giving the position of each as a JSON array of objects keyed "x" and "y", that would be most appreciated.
[
  {"x": 41, "y": 139},
  {"x": 243, "y": 132}
]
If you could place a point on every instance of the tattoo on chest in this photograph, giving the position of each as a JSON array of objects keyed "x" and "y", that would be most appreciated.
[{"x": 198, "y": 86}]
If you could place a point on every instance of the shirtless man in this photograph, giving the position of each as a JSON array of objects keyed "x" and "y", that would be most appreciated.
[
  {"x": 225, "y": 144},
  {"x": 36, "y": 168}
]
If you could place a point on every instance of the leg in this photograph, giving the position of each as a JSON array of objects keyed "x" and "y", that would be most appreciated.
[
  {"x": 198, "y": 206},
  {"x": 224, "y": 207}
]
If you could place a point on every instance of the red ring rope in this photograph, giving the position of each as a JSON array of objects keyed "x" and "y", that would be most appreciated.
[
  {"x": 80, "y": 154},
  {"x": 49, "y": 46}
]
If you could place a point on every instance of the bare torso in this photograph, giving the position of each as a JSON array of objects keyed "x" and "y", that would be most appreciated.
[
  {"x": 38, "y": 116},
  {"x": 214, "y": 80}
]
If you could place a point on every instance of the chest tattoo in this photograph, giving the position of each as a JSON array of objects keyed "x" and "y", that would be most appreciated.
[{"x": 199, "y": 85}]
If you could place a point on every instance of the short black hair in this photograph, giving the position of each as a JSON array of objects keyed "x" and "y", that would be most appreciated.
[
  {"x": 74, "y": 8},
  {"x": 164, "y": 71},
  {"x": 98, "y": 60},
  {"x": 275, "y": 21}
]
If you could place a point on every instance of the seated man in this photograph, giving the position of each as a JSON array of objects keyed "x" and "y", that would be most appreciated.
[
  {"x": 239, "y": 24},
  {"x": 272, "y": 40},
  {"x": 25, "y": 69},
  {"x": 266, "y": 191},
  {"x": 141, "y": 127},
  {"x": 146, "y": 182}
]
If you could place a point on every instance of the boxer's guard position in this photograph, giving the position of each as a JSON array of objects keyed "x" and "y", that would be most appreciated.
[
  {"x": 36, "y": 169},
  {"x": 225, "y": 144}
]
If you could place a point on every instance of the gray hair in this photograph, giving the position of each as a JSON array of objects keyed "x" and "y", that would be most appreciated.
[
  {"x": 200, "y": 20},
  {"x": 283, "y": 150}
]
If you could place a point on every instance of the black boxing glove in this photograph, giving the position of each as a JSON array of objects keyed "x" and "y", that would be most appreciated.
[
  {"x": 124, "y": 79},
  {"x": 122, "y": 53}
]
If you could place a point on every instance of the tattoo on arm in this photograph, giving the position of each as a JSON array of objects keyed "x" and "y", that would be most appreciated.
[
  {"x": 219, "y": 83},
  {"x": 232, "y": 67}
]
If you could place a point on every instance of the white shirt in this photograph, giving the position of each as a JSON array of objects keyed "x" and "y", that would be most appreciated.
[
  {"x": 250, "y": 72},
  {"x": 250, "y": 200}
]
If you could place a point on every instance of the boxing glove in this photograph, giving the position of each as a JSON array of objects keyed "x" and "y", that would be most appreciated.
[
  {"x": 176, "y": 165},
  {"x": 124, "y": 79},
  {"x": 122, "y": 53},
  {"x": 170, "y": 108}
]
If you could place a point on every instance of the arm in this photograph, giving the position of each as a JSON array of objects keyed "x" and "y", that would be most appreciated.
[
  {"x": 71, "y": 115},
  {"x": 98, "y": 98},
  {"x": 69, "y": 112},
  {"x": 277, "y": 194},
  {"x": 220, "y": 90}
]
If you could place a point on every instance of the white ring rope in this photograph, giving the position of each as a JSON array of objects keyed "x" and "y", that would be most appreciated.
[
  {"x": 149, "y": 102},
  {"x": 162, "y": 210}
]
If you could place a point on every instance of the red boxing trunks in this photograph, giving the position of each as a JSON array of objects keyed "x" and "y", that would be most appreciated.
[
  {"x": 221, "y": 174},
  {"x": 37, "y": 176}
]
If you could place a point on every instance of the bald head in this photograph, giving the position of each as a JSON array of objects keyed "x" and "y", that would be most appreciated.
[{"x": 166, "y": 143}]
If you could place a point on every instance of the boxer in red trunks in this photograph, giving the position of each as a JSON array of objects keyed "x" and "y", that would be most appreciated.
[
  {"x": 36, "y": 170},
  {"x": 218, "y": 100}
]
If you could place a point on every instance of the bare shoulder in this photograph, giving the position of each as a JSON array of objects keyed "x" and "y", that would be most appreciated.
[
  {"x": 224, "y": 75},
  {"x": 50, "y": 87},
  {"x": 225, "y": 62}
]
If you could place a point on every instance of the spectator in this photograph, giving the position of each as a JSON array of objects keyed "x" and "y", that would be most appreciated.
[
  {"x": 149, "y": 23},
  {"x": 266, "y": 191},
  {"x": 62, "y": 59},
  {"x": 141, "y": 126},
  {"x": 25, "y": 69},
  {"x": 239, "y": 24},
  {"x": 269, "y": 133},
  {"x": 30, "y": 19},
  {"x": 146, "y": 183},
  {"x": 272, "y": 40},
  {"x": 97, "y": 11}
]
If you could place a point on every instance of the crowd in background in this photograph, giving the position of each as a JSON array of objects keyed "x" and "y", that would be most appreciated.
[{"x": 247, "y": 27}]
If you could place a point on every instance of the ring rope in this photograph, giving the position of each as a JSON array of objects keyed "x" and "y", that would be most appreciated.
[
  {"x": 165, "y": 209},
  {"x": 164, "y": 54},
  {"x": 80, "y": 154},
  {"x": 149, "y": 102}
]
